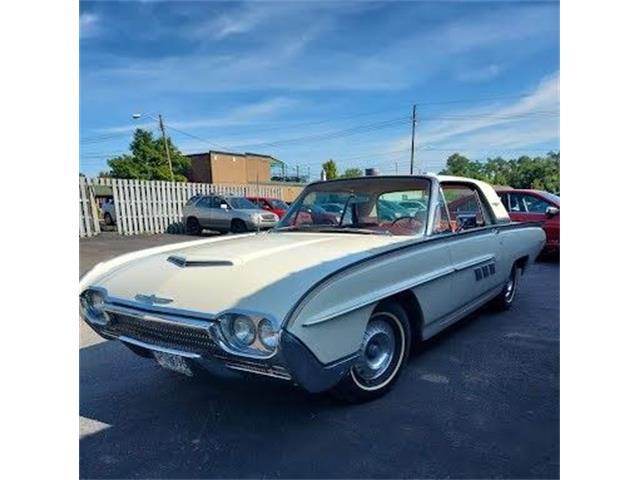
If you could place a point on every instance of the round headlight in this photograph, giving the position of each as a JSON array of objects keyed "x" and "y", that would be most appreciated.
[
  {"x": 96, "y": 302},
  {"x": 243, "y": 330},
  {"x": 267, "y": 334}
]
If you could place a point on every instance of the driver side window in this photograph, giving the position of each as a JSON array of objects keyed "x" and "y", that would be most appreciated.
[{"x": 465, "y": 206}]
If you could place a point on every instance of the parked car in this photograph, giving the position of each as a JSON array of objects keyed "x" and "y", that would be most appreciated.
[
  {"x": 413, "y": 207},
  {"x": 535, "y": 206},
  {"x": 325, "y": 306},
  {"x": 270, "y": 204},
  {"x": 224, "y": 214},
  {"x": 109, "y": 212}
]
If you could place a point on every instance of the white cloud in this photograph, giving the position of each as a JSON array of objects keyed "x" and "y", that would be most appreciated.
[
  {"x": 89, "y": 24},
  {"x": 247, "y": 114},
  {"x": 519, "y": 124}
]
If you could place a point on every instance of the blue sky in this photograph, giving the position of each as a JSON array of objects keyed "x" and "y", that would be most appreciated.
[{"x": 309, "y": 81}]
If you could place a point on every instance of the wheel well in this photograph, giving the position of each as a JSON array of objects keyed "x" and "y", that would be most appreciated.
[
  {"x": 522, "y": 262},
  {"x": 409, "y": 302}
]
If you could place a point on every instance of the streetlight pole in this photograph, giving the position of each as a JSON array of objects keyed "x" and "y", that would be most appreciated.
[{"x": 135, "y": 116}]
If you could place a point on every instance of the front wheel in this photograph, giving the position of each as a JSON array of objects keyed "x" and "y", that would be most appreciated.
[
  {"x": 238, "y": 226},
  {"x": 383, "y": 353},
  {"x": 193, "y": 226}
]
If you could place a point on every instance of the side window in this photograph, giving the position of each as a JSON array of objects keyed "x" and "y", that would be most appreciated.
[
  {"x": 465, "y": 207},
  {"x": 504, "y": 198},
  {"x": 216, "y": 202},
  {"x": 204, "y": 202},
  {"x": 517, "y": 203},
  {"x": 441, "y": 220},
  {"x": 535, "y": 204}
]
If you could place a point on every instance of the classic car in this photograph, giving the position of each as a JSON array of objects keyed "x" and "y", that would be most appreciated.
[
  {"x": 342, "y": 309},
  {"x": 271, "y": 204},
  {"x": 526, "y": 205},
  {"x": 224, "y": 214}
]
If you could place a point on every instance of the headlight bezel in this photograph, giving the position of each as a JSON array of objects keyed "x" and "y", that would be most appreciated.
[
  {"x": 257, "y": 348},
  {"x": 88, "y": 308}
]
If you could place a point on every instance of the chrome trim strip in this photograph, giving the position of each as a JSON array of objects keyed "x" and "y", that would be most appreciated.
[
  {"x": 172, "y": 312},
  {"x": 421, "y": 280},
  {"x": 270, "y": 373},
  {"x": 150, "y": 346},
  {"x": 183, "y": 262},
  {"x": 171, "y": 320}
]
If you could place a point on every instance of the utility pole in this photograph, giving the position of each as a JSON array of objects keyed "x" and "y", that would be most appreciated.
[
  {"x": 166, "y": 145},
  {"x": 298, "y": 172},
  {"x": 413, "y": 137}
]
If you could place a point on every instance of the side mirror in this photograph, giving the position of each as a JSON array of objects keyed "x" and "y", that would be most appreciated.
[
  {"x": 464, "y": 222},
  {"x": 551, "y": 211},
  {"x": 224, "y": 206}
]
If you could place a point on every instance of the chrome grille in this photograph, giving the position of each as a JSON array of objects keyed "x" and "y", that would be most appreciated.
[{"x": 196, "y": 340}]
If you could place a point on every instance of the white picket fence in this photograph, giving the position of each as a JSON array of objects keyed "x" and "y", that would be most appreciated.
[{"x": 152, "y": 206}]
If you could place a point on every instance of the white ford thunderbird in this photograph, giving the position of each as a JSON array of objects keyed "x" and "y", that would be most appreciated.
[{"x": 329, "y": 301}]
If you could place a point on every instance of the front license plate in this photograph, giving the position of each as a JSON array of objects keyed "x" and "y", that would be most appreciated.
[{"x": 173, "y": 362}]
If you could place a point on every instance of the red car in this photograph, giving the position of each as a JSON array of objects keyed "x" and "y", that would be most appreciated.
[
  {"x": 535, "y": 206},
  {"x": 270, "y": 204}
]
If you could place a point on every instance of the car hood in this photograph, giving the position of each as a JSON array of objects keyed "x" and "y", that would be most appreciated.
[
  {"x": 250, "y": 211},
  {"x": 266, "y": 273}
]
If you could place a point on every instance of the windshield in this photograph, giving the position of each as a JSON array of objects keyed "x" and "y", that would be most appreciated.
[
  {"x": 369, "y": 205},
  {"x": 550, "y": 196},
  {"x": 279, "y": 204},
  {"x": 240, "y": 203}
]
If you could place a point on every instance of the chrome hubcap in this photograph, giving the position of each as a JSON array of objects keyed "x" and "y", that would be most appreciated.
[
  {"x": 377, "y": 350},
  {"x": 511, "y": 287}
]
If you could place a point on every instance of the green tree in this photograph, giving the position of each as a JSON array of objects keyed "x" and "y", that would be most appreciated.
[
  {"x": 148, "y": 160},
  {"x": 542, "y": 173},
  {"x": 352, "y": 172},
  {"x": 461, "y": 166},
  {"x": 330, "y": 169}
]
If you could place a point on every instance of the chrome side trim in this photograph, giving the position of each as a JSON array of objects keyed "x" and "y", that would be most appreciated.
[
  {"x": 157, "y": 348},
  {"x": 400, "y": 287}
]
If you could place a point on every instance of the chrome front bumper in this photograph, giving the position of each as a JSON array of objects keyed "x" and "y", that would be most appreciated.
[{"x": 193, "y": 339}]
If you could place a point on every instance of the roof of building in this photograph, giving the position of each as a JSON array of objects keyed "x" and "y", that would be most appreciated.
[{"x": 273, "y": 160}]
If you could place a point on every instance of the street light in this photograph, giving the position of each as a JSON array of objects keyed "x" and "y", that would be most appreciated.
[{"x": 136, "y": 116}]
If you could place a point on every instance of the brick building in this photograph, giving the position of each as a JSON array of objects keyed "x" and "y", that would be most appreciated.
[{"x": 228, "y": 167}]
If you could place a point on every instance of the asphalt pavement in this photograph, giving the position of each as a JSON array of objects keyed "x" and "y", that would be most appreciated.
[{"x": 479, "y": 400}]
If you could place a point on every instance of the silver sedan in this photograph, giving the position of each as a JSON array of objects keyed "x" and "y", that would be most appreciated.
[{"x": 224, "y": 214}]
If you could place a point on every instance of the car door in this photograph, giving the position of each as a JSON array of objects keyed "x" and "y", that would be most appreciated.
[
  {"x": 475, "y": 245},
  {"x": 526, "y": 207},
  {"x": 220, "y": 214},
  {"x": 203, "y": 211}
]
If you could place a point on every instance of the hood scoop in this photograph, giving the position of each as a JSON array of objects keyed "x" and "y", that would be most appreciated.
[{"x": 197, "y": 261}]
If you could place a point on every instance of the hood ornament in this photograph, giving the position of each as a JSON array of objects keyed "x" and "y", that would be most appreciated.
[{"x": 153, "y": 299}]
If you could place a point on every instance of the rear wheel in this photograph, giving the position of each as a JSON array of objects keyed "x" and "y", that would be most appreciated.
[
  {"x": 383, "y": 353},
  {"x": 505, "y": 300},
  {"x": 193, "y": 226},
  {"x": 238, "y": 226}
]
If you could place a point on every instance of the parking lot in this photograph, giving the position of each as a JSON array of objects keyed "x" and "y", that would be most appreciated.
[{"x": 479, "y": 400}]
